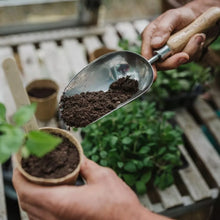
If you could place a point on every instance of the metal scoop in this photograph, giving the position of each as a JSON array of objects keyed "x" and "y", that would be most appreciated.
[{"x": 102, "y": 72}]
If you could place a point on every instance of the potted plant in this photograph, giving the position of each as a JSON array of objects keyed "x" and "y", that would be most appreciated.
[
  {"x": 32, "y": 149},
  {"x": 138, "y": 142}
]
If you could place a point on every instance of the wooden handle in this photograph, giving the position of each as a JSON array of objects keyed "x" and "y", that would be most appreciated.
[
  {"x": 18, "y": 91},
  {"x": 208, "y": 19}
]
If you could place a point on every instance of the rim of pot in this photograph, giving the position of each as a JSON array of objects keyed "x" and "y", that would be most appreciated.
[{"x": 53, "y": 95}]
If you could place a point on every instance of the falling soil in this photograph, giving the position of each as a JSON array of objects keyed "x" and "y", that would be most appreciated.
[
  {"x": 41, "y": 92},
  {"x": 82, "y": 109},
  {"x": 55, "y": 164}
]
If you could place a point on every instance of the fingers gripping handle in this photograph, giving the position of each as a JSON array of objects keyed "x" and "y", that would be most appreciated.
[{"x": 208, "y": 19}]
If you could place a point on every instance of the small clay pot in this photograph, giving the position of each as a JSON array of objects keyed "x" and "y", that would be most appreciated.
[
  {"x": 68, "y": 179},
  {"x": 99, "y": 52},
  {"x": 44, "y": 93}
]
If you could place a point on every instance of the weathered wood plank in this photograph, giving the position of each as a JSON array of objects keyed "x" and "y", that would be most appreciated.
[
  {"x": 3, "y": 211},
  {"x": 145, "y": 201},
  {"x": 110, "y": 37},
  {"x": 209, "y": 117},
  {"x": 41, "y": 36},
  {"x": 92, "y": 43},
  {"x": 200, "y": 144},
  {"x": 75, "y": 54},
  {"x": 170, "y": 197},
  {"x": 56, "y": 64},
  {"x": 127, "y": 31},
  {"x": 191, "y": 177},
  {"x": 140, "y": 25},
  {"x": 29, "y": 62}
]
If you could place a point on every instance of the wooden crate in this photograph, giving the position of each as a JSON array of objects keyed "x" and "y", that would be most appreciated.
[{"x": 59, "y": 55}]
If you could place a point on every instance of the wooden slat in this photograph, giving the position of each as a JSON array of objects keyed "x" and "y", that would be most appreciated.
[
  {"x": 92, "y": 43},
  {"x": 191, "y": 177},
  {"x": 209, "y": 117},
  {"x": 3, "y": 211},
  {"x": 145, "y": 201},
  {"x": 75, "y": 55},
  {"x": 41, "y": 36},
  {"x": 111, "y": 38},
  {"x": 170, "y": 197},
  {"x": 56, "y": 64},
  {"x": 127, "y": 31},
  {"x": 140, "y": 25},
  {"x": 200, "y": 143},
  {"x": 30, "y": 63},
  {"x": 158, "y": 207}
]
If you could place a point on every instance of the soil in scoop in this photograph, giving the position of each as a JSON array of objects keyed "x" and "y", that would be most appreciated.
[
  {"x": 41, "y": 92},
  {"x": 82, "y": 109},
  {"x": 55, "y": 164}
]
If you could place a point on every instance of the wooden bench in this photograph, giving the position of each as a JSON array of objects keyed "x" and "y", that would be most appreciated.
[{"x": 60, "y": 54}]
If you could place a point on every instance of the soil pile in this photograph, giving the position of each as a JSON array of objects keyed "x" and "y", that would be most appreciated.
[
  {"x": 82, "y": 109},
  {"x": 55, "y": 164}
]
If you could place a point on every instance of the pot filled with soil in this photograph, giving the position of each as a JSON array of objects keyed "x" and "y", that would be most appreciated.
[
  {"x": 44, "y": 93},
  {"x": 59, "y": 166},
  {"x": 99, "y": 52}
]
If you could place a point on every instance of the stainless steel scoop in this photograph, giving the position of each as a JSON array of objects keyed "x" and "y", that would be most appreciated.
[{"x": 102, "y": 72}]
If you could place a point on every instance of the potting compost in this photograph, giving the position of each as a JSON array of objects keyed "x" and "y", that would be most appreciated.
[
  {"x": 55, "y": 164},
  {"x": 82, "y": 109},
  {"x": 41, "y": 92}
]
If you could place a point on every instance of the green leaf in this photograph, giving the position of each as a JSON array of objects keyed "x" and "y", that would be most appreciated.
[
  {"x": 126, "y": 140},
  {"x": 141, "y": 187},
  {"x": 39, "y": 143},
  {"x": 146, "y": 177},
  {"x": 95, "y": 158},
  {"x": 148, "y": 162},
  {"x": 2, "y": 113},
  {"x": 130, "y": 179},
  {"x": 144, "y": 150},
  {"x": 130, "y": 167},
  {"x": 4, "y": 157},
  {"x": 24, "y": 114},
  {"x": 103, "y": 154},
  {"x": 103, "y": 162},
  {"x": 11, "y": 139},
  {"x": 120, "y": 164}
]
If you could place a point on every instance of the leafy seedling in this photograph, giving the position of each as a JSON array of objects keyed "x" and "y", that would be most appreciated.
[
  {"x": 138, "y": 143},
  {"x": 13, "y": 138}
]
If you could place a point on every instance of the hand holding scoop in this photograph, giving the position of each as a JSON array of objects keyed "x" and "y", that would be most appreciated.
[{"x": 101, "y": 73}]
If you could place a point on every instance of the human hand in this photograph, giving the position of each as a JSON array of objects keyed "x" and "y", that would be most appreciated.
[
  {"x": 157, "y": 33},
  {"x": 105, "y": 196}
]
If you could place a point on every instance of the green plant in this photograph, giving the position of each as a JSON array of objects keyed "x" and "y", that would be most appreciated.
[
  {"x": 138, "y": 143},
  {"x": 13, "y": 138}
]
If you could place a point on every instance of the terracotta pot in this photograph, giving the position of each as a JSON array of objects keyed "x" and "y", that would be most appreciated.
[
  {"x": 68, "y": 179},
  {"x": 99, "y": 52},
  {"x": 46, "y": 106}
]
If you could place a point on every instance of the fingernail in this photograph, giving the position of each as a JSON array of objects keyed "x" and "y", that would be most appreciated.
[
  {"x": 199, "y": 40},
  {"x": 182, "y": 60},
  {"x": 156, "y": 40}
]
